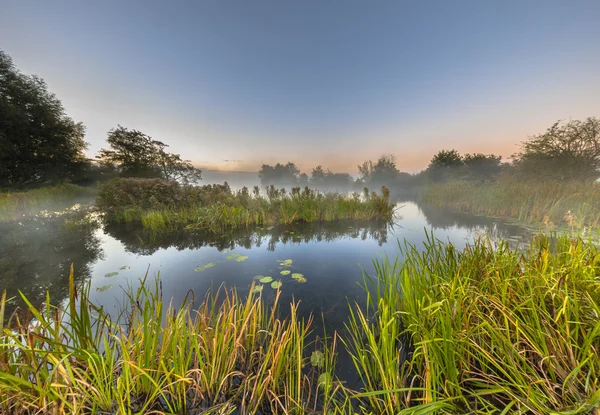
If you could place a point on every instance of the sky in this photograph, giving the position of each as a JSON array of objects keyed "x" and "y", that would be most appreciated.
[{"x": 231, "y": 85}]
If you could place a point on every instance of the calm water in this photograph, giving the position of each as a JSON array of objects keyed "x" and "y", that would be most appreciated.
[{"x": 36, "y": 255}]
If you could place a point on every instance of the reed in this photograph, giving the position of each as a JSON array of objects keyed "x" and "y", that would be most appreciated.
[
  {"x": 16, "y": 205},
  {"x": 218, "y": 209},
  {"x": 226, "y": 354},
  {"x": 548, "y": 203},
  {"x": 485, "y": 330}
]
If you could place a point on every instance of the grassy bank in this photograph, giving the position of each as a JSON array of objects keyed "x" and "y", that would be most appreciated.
[
  {"x": 487, "y": 330},
  {"x": 16, "y": 205},
  {"x": 569, "y": 204},
  {"x": 161, "y": 206}
]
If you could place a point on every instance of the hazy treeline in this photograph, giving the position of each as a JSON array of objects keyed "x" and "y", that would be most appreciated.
[
  {"x": 567, "y": 151},
  {"x": 40, "y": 144}
]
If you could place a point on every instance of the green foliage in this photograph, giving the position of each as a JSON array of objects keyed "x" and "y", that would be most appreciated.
[
  {"x": 164, "y": 206},
  {"x": 138, "y": 155},
  {"x": 384, "y": 171},
  {"x": 39, "y": 143},
  {"x": 572, "y": 204},
  {"x": 566, "y": 151},
  {"x": 282, "y": 175}
]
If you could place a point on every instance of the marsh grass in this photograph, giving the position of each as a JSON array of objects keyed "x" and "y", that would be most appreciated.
[
  {"x": 162, "y": 206},
  {"x": 548, "y": 203},
  {"x": 485, "y": 330},
  {"x": 226, "y": 354},
  {"x": 16, "y": 205}
]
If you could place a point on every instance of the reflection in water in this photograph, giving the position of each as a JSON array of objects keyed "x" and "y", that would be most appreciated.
[
  {"x": 36, "y": 255},
  {"x": 136, "y": 241}
]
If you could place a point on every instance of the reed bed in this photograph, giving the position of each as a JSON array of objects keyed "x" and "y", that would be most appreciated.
[
  {"x": 551, "y": 203},
  {"x": 162, "y": 206},
  {"x": 16, "y": 205},
  {"x": 486, "y": 330},
  {"x": 227, "y": 354}
]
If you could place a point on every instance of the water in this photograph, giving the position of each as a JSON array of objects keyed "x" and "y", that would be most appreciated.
[{"x": 36, "y": 255}]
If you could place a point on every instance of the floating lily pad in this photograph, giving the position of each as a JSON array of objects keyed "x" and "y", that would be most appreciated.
[
  {"x": 297, "y": 276},
  {"x": 104, "y": 288},
  {"x": 241, "y": 258},
  {"x": 317, "y": 359},
  {"x": 276, "y": 284},
  {"x": 301, "y": 280},
  {"x": 111, "y": 274},
  {"x": 124, "y": 267},
  {"x": 258, "y": 277},
  {"x": 269, "y": 228},
  {"x": 257, "y": 289},
  {"x": 203, "y": 267},
  {"x": 286, "y": 263},
  {"x": 325, "y": 380},
  {"x": 233, "y": 256},
  {"x": 266, "y": 280},
  {"x": 291, "y": 233},
  {"x": 285, "y": 272}
]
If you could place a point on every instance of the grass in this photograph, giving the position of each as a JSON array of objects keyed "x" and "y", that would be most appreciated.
[
  {"x": 553, "y": 204},
  {"x": 487, "y": 330},
  {"x": 16, "y": 205},
  {"x": 218, "y": 209}
]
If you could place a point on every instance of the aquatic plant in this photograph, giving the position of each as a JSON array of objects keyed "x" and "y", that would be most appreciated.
[
  {"x": 550, "y": 204},
  {"x": 162, "y": 206}
]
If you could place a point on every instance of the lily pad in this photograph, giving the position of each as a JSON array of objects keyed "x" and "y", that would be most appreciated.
[
  {"x": 269, "y": 228},
  {"x": 241, "y": 258},
  {"x": 124, "y": 267},
  {"x": 317, "y": 359},
  {"x": 258, "y": 277},
  {"x": 257, "y": 289},
  {"x": 276, "y": 284},
  {"x": 297, "y": 276},
  {"x": 286, "y": 263},
  {"x": 104, "y": 288},
  {"x": 266, "y": 280},
  {"x": 203, "y": 267},
  {"x": 232, "y": 256},
  {"x": 111, "y": 274},
  {"x": 285, "y": 272},
  {"x": 301, "y": 280},
  {"x": 325, "y": 381}
]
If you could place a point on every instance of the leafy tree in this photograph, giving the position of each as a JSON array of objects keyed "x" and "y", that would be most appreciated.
[
  {"x": 384, "y": 171},
  {"x": 446, "y": 164},
  {"x": 138, "y": 155},
  {"x": 285, "y": 175},
  {"x": 565, "y": 151},
  {"x": 481, "y": 166},
  {"x": 303, "y": 179},
  {"x": 38, "y": 142},
  {"x": 317, "y": 177}
]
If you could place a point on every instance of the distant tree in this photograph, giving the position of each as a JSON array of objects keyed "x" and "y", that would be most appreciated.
[
  {"x": 317, "y": 177},
  {"x": 481, "y": 166},
  {"x": 38, "y": 141},
  {"x": 303, "y": 179},
  {"x": 446, "y": 164},
  {"x": 280, "y": 175},
  {"x": 137, "y": 155},
  {"x": 565, "y": 151},
  {"x": 384, "y": 171}
]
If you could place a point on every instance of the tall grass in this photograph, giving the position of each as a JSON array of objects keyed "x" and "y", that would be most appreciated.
[
  {"x": 572, "y": 204},
  {"x": 165, "y": 207},
  {"x": 16, "y": 205},
  {"x": 486, "y": 330},
  {"x": 226, "y": 354}
]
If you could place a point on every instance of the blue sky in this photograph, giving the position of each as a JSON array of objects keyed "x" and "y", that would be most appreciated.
[{"x": 314, "y": 82}]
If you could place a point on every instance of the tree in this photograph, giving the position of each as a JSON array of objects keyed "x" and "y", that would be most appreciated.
[
  {"x": 317, "y": 177},
  {"x": 482, "y": 167},
  {"x": 39, "y": 143},
  {"x": 382, "y": 172},
  {"x": 137, "y": 155},
  {"x": 565, "y": 151},
  {"x": 446, "y": 164},
  {"x": 285, "y": 175}
]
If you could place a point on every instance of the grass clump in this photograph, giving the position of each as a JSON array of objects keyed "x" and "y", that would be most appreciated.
[
  {"x": 228, "y": 354},
  {"x": 486, "y": 330},
  {"x": 571, "y": 204},
  {"x": 161, "y": 206},
  {"x": 16, "y": 205}
]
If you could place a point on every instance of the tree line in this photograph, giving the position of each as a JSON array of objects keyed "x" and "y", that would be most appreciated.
[{"x": 40, "y": 144}]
